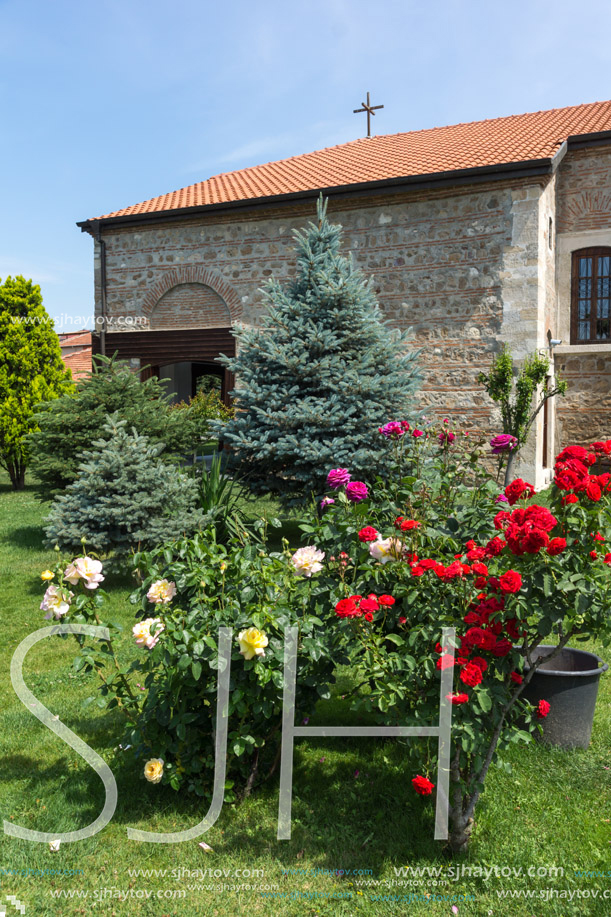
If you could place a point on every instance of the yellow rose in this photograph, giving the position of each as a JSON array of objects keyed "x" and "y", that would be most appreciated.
[
  {"x": 153, "y": 770},
  {"x": 47, "y": 574},
  {"x": 252, "y": 642}
]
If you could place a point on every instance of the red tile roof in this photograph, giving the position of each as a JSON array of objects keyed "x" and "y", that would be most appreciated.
[
  {"x": 497, "y": 141},
  {"x": 79, "y": 363},
  {"x": 75, "y": 339}
]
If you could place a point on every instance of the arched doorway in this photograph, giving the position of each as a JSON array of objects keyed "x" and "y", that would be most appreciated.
[{"x": 189, "y": 327}]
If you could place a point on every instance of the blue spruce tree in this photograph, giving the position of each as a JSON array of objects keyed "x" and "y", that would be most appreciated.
[
  {"x": 319, "y": 377},
  {"x": 124, "y": 497}
]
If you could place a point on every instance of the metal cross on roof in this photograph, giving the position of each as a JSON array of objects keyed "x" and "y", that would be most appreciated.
[{"x": 370, "y": 109}]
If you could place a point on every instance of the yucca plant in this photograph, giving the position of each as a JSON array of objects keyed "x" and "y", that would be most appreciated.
[{"x": 218, "y": 497}]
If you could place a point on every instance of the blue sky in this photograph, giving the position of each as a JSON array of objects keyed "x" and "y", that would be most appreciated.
[{"x": 109, "y": 103}]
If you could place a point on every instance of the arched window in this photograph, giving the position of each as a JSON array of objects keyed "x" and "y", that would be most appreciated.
[{"x": 591, "y": 296}]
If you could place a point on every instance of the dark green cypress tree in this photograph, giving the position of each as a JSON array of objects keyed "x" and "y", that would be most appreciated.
[
  {"x": 124, "y": 496},
  {"x": 320, "y": 376}
]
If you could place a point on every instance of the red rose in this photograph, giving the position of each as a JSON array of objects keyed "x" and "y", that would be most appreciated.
[
  {"x": 511, "y": 626},
  {"x": 570, "y": 498},
  {"x": 538, "y": 517},
  {"x": 593, "y": 555},
  {"x": 476, "y": 553},
  {"x": 457, "y": 699},
  {"x": 474, "y": 637},
  {"x": 472, "y": 618},
  {"x": 510, "y": 582},
  {"x": 480, "y": 569},
  {"x": 369, "y": 616},
  {"x": 408, "y": 524},
  {"x": 417, "y": 570},
  {"x": 449, "y": 573},
  {"x": 368, "y": 534},
  {"x": 386, "y": 600},
  {"x": 502, "y": 648},
  {"x": 607, "y": 558},
  {"x": 543, "y": 709},
  {"x": 597, "y": 537},
  {"x": 501, "y": 519},
  {"x": 480, "y": 663},
  {"x": 402, "y": 620},
  {"x": 565, "y": 478},
  {"x": 423, "y": 785},
  {"x": 518, "y": 489},
  {"x": 348, "y": 608},
  {"x": 572, "y": 452},
  {"x": 428, "y": 563},
  {"x": 369, "y": 605},
  {"x": 445, "y": 662},
  {"x": 516, "y": 678},
  {"x": 556, "y": 546},
  {"x": 471, "y": 674},
  {"x": 534, "y": 540},
  {"x": 494, "y": 546},
  {"x": 594, "y": 492}
]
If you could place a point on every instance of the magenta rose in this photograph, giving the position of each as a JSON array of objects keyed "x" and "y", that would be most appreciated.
[
  {"x": 337, "y": 477},
  {"x": 356, "y": 491},
  {"x": 392, "y": 428},
  {"x": 504, "y": 442}
]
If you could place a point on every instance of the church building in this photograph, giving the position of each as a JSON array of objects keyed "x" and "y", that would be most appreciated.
[{"x": 476, "y": 235}]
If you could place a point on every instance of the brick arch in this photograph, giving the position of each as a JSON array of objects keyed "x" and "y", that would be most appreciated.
[
  {"x": 586, "y": 210},
  {"x": 190, "y": 305},
  {"x": 189, "y": 274}
]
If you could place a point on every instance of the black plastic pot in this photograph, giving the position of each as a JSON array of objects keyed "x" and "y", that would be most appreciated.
[{"x": 569, "y": 682}]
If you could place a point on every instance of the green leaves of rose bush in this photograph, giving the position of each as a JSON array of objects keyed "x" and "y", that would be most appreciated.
[{"x": 238, "y": 585}]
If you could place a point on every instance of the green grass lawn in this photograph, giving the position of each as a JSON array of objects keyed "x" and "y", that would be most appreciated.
[{"x": 353, "y": 804}]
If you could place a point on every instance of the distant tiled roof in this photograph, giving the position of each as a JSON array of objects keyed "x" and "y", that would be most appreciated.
[
  {"x": 498, "y": 141},
  {"x": 79, "y": 363},
  {"x": 75, "y": 339},
  {"x": 76, "y": 352}
]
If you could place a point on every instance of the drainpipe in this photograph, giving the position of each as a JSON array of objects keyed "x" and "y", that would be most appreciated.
[{"x": 102, "y": 244}]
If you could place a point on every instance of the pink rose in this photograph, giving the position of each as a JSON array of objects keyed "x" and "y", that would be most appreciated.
[
  {"x": 337, "y": 477},
  {"x": 392, "y": 428},
  {"x": 356, "y": 491},
  {"x": 504, "y": 442}
]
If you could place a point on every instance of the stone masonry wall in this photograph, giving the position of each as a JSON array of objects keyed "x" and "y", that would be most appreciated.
[
  {"x": 460, "y": 267},
  {"x": 584, "y": 190},
  {"x": 584, "y": 221},
  {"x": 584, "y": 414}
]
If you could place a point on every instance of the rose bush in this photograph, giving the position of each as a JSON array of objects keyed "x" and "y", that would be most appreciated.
[
  {"x": 434, "y": 540},
  {"x": 187, "y": 590},
  {"x": 388, "y": 564}
]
